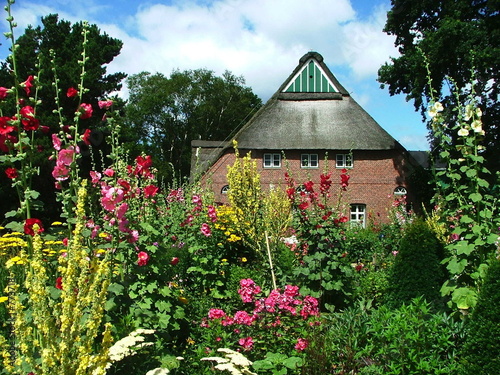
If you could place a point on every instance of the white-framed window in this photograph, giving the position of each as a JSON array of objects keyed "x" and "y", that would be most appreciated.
[
  {"x": 224, "y": 189},
  {"x": 358, "y": 214},
  {"x": 343, "y": 161},
  {"x": 400, "y": 190},
  {"x": 309, "y": 161},
  {"x": 272, "y": 160}
]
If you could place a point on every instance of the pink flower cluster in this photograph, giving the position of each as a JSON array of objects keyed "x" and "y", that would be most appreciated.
[{"x": 276, "y": 305}]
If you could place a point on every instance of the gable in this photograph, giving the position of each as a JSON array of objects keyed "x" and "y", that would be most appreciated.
[{"x": 311, "y": 78}]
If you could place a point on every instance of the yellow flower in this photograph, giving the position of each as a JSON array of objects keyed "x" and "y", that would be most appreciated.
[
  {"x": 3, "y": 299},
  {"x": 103, "y": 235},
  {"x": 55, "y": 223},
  {"x": 243, "y": 259},
  {"x": 224, "y": 260},
  {"x": 183, "y": 299}
]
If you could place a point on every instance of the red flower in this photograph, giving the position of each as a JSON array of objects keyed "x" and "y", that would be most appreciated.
[
  {"x": 11, "y": 173},
  {"x": 5, "y": 128},
  {"x": 85, "y": 111},
  {"x": 72, "y": 92},
  {"x": 174, "y": 261},
  {"x": 59, "y": 283},
  {"x": 86, "y": 137},
  {"x": 205, "y": 229},
  {"x": 344, "y": 180},
  {"x": 150, "y": 191},
  {"x": 28, "y": 226},
  {"x": 303, "y": 205},
  {"x": 142, "y": 258},
  {"x": 309, "y": 186},
  {"x": 3, "y": 92},
  {"x": 28, "y": 84}
]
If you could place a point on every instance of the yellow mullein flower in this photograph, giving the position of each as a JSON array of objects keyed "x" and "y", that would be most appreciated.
[
  {"x": 103, "y": 235},
  {"x": 3, "y": 299},
  {"x": 55, "y": 223}
]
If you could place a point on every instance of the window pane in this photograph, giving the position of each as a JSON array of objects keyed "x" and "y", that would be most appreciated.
[
  {"x": 314, "y": 160},
  {"x": 348, "y": 160},
  {"x": 304, "y": 160}
]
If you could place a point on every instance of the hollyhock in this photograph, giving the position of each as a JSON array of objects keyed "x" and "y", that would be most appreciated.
[
  {"x": 111, "y": 197},
  {"x": 133, "y": 237},
  {"x": 212, "y": 213},
  {"x": 105, "y": 104},
  {"x": 325, "y": 183},
  {"x": 72, "y": 92},
  {"x": 142, "y": 166},
  {"x": 5, "y": 128},
  {"x": 60, "y": 172},
  {"x": 174, "y": 261},
  {"x": 11, "y": 173},
  {"x": 309, "y": 186},
  {"x": 120, "y": 212},
  {"x": 66, "y": 156},
  {"x": 56, "y": 142},
  {"x": 86, "y": 136},
  {"x": 28, "y": 84},
  {"x": 95, "y": 176},
  {"x": 59, "y": 283},
  {"x": 150, "y": 191},
  {"x": 344, "y": 179},
  {"x": 205, "y": 229},
  {"x": 109, "y": 172},
  {"x": 142, "y": 258},
  {"x": 85, "y": 111},
  {"x": 3, "y": 92},
  {"x": 28, "y": 226}
]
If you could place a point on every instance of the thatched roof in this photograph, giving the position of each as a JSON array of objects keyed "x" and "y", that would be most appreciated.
[{"x": 313, "y": 117}]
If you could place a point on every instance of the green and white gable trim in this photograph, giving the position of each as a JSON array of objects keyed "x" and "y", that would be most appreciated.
[{"x": 311, "y": 78}]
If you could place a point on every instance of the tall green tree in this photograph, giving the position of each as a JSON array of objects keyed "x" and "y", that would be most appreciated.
[
  {"x": 166, "y": 113},
  {"x": 461, "y": 40},
  {"x": 52, "y": 49}
]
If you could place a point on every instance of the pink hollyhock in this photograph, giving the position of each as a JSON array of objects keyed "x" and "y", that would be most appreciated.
[
  {"x": 11, "y": 173},
  {"x": 59, "y": 283},
  {"x": 109, "y": 172},
  {"x": 85, "y": 111},
  {"x": 60, "y": 172},
  {"x": 133, "y": 237},
  {"x": 65, "y": 156},
  {"x": 120, "y": 212},
  {"x": 111, "y": 197},
  {"x": 3, "y": 92},
  {"x": 301, "y": 344},
  {"x": 86, "y": 136},
  {"x": 56, "y": 142},
  {"x": 105, "y": 104},
  {"x": 5, "y": 127},
  {"x": 28, "y": 84},
  {"x": 72, "y": 92},
  {"x": 95, "y": 176},
  {"x": 205, "y": 229},
  {"x": 150, "y": 191},
  {"x": 247, "y": 343},
  {"x": 142, "y": 258},
  {"x": 212, "y": 213},
  {"x": 28, "y": 226}
]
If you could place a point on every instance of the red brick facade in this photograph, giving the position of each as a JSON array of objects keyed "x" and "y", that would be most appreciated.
[{"x": 374, "y": 176}]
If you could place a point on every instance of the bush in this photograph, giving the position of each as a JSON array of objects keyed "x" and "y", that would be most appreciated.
[
  {"x": 417, "y": 270},
  {"x": 481, "y": 351}
]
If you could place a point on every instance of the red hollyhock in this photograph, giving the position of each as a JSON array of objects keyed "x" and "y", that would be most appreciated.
[
  {"x": 142, "y": 258},
  {"x": 309, "y": 186},
  {"x": 344, "y": 179},
  {"x": 3, "y": 92},
  {"x": 150, "y": 191},
  {"x": 72, "y": 92},
  {"x": 5, "y": 127},
  {"x": 28, "y": 226},
  {"x": 174, "y": 261},
  {"x": 59, "y": 283},
  {"x": 28, "y": 84},
  {"x": 86, "y": 137},
  {"x": 11, "y": 173}
]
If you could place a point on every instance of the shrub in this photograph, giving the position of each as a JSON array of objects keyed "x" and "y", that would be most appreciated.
[
  {"x": 481, "y": 351},
  {"x": 417, "y": 270}
]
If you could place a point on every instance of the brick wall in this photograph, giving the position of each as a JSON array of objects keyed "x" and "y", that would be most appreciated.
[{"x": 373, "y": 177}]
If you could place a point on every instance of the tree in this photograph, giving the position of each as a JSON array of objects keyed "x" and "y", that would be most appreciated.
[
  {"x": 459, "y": 39},
  {"x": 57, "y": 45},
  {"x": 167, "y": 113}
]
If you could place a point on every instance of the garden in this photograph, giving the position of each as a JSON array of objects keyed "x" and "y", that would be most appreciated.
[{"x": 141, "y": 277}]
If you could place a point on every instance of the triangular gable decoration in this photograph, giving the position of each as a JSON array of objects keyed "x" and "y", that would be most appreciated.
[{"x": 311, "y": 78}]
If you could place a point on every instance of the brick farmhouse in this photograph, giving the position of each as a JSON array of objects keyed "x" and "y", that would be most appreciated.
[{"x": 312, "y": 124}]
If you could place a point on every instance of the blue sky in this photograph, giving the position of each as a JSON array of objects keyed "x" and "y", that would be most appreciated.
[{"x": 261, "y": 40}]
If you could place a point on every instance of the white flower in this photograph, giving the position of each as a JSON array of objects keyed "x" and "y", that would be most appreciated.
[
  {"x": 158, "y": 371},
  {"x": 435, "y": 109},
  {"x": 463, "y": 132},
  {"x": 477, "y": 126},
  {"x": 469, "y": 112}
]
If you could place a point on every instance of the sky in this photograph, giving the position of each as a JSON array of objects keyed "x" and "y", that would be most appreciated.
[{"x": 260, "y": 40}]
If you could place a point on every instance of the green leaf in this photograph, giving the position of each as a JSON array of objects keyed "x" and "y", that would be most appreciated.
[
  {"x": 463, "y": 247},
  {"x": 464, "y": 297},
  {"x": 475, "y": 197},
  {"x": 115, "y": 288},
  {"x": 293, "y": 362},
  {"x": 456, "y": 266},
  {"x": 466, "y": 219}
]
